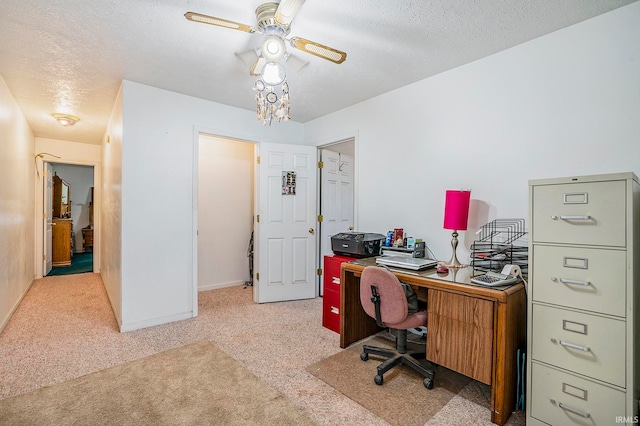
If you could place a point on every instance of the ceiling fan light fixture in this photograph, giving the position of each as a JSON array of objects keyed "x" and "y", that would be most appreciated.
[
  {"x": 273, "y": 74},
  {"x": 65, "y": 119},
  {"x": 273, "y": 48}
]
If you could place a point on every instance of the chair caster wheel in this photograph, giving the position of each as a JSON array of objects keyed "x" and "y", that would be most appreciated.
[
  {"x": 378, "y": 379},
  {"x": 364, "y": 356},
  {"x": 428, "y": 383}
]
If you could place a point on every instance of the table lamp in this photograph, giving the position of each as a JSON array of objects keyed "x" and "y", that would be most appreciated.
[{"x": 456, "y": 213}]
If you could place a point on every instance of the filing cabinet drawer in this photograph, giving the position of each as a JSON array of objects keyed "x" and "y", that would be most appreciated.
[
  {"x": 580, "y": 213},
  {"x": 331, "y": 282},
  {"x": 587, "y": 344},
  {"x": 331, "y": 310},
  {"x": 331, "y": 271},
  {"x": 560, "y": 398},
  {"x": 589, "y": 279}
]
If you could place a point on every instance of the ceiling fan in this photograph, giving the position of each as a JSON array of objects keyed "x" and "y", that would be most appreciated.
[{"x": 274, "y": 22}]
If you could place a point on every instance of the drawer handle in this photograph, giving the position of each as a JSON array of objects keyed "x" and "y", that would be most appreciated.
[
  {"x": 572, "y": 346},
  {"x": 335, "y": 310},
  {"x": 336, "y": 280},
  {"x": 574, "y": 411},
  {"x": 578, "y": 217},
  {"x": 575, "y": 282}
]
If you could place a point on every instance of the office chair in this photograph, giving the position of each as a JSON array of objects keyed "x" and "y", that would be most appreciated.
[{"x": 383, "y": 298}]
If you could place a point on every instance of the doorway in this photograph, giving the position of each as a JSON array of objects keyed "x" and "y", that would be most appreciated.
[
  {"x": 225, "y": 211},
  {"x": 69, "y": 223}
]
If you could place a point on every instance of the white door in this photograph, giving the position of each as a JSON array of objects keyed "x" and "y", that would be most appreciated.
[
  {"x": 285, "y": 232},
  {"x": 336, "y": 196},
  {"x": 336, "y": 199},
  {"x": 48, "y": 218}
]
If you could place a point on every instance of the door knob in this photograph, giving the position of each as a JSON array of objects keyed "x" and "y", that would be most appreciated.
[
  {"x": 311, "y": 231},
  {"x": 351, "y": 228}
]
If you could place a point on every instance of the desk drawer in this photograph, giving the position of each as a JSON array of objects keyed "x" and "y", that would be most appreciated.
[
  {"x": 560, "y": 398},
  {"x": 587, "y": 344},
  {"x": 580, "y": 213},
  {"x": 589, "y": 279},
  {"x": 460, "y": 334}
]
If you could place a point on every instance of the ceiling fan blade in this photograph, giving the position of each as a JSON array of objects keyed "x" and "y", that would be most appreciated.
[
  {"x": 248, "y": 57},
  {"x": 320, "y": 50},
  {"x": 218, "y": 22},
  {"x": 287, "y": 10},
  {"x": 295, "y": 64},
  {"x": 257, "y": 66}
]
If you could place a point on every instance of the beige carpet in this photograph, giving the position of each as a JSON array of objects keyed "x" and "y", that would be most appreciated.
[
  {"x": 196, "y": 384},
  {"x": 402, "y": 399}
]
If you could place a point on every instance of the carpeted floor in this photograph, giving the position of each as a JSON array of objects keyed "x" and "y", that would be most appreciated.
[
  {"x": 401, "y": 392},
  {"x": 65, "y": 328},
  {"x": 80, "y": 263},
  {"x": 192, "y": 384}
]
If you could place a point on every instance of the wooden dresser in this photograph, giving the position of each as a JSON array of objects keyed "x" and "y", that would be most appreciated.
[
  {"x": 62, "y": 239},
  {"x": 583, "y": 301}
]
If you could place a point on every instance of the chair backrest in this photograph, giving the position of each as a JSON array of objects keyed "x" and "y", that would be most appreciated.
[{"x": 393, "y": 301}]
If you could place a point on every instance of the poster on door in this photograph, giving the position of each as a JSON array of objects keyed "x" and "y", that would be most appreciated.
[{"x": 288, "y": 183}]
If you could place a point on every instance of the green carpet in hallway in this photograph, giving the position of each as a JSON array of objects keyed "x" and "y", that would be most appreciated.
[{"x": 80, "y": 263}]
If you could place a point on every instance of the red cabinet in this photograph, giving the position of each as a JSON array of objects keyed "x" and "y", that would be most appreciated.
[{"x": 331, "y": 291}]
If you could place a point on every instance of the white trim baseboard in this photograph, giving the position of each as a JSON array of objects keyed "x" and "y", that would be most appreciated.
[{"x": 219, "y": 285}]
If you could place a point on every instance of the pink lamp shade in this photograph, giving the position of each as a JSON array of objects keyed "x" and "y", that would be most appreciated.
[{"x": 456, "y": 209}]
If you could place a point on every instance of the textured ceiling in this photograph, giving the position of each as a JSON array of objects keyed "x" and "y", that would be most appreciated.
[{"x": 71, "y": 55}]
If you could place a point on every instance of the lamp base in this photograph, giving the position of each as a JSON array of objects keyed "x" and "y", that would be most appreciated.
[{"x": 454, "y": 262}]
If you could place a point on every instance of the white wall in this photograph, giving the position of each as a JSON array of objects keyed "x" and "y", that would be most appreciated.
[
  {"x": 17, "y": 211},
  {"x": 564, "y": 104},
  {"x": 110, "y": 213},
  {"x": 159, "y": 139},
  {"x": 225, "y": 211},
  {"x": 74, "y": 153},
  {"x": 80, "y": 180}
]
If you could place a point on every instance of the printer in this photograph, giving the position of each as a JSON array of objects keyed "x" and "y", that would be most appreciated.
[{"x": 357, "y": 244}]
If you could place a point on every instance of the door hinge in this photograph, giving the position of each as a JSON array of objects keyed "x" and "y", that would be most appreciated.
[
  {"x": 320, "y": 218},
  {"x": 320, "y": 164},
  {"x": 44, "y": 215},
  {"x": 258, "y": 218},
  {"x": 319, "y": 271},
  {"x": 258, "y": 159},
  {"x": 44, "y": 257},
  {"x": 257, "y": 276}
]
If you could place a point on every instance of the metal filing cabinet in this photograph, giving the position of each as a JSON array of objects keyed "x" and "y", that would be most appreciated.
[
  {"x": 331, "y": 291},
  {"x": 583, "y": 300}
]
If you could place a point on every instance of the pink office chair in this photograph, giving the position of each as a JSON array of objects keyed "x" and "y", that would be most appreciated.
[{"x": 384, "y": 299}]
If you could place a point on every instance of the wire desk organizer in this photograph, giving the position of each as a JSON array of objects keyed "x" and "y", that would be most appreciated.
[{"x": 501, "y": 242}]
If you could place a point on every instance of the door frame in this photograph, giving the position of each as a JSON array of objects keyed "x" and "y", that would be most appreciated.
[
  {"x": 40, "y": 243},
  {"x": 214, "y": 133}
]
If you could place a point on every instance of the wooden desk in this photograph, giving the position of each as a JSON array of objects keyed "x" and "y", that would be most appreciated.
[{"x": 474, "y": 330}]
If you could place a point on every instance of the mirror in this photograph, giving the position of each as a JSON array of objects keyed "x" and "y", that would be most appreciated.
[{"x": 64, "y": 199}]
